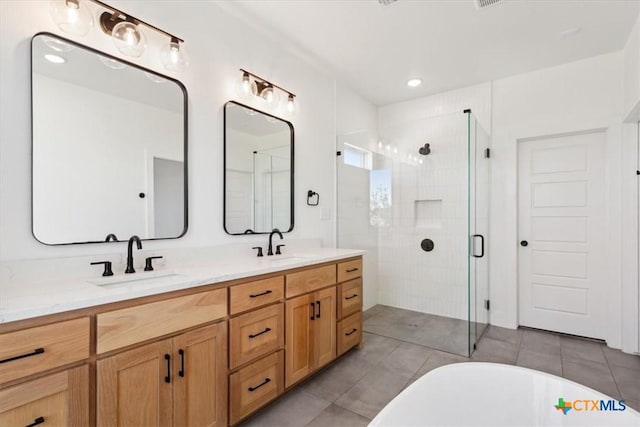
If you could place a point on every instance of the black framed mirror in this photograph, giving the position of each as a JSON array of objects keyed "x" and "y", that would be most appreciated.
[
  {"x": 258, "y": 171},
  {"x": 109, "y": 147}
]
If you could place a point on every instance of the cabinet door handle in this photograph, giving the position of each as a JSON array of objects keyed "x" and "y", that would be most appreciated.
[
  {"x": 318, "y": 315},
  {"x": 266, "y": 381},
  {"x": 351, "y": 297},
  {"x": 167, "y": 379},
  {"x": 260, "y": 333},
  {"x": 35, "y": 352},
  {"x": 351, "y": 270},
  {"x": 181, "y": 371},
  {"x": 351, "y": 332},
  {"x": 313, "y": 310},
  {"x": 267, "y": 292},
  {"x": 39, "y": 420}
]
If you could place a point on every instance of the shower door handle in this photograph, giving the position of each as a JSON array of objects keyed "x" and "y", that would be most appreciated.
[{"x": 481, "y": 246}]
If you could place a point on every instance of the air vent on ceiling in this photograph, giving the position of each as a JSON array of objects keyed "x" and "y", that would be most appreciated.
[
  {"x": 482, "y": 4},
  {"x": 386, "y": 2}
]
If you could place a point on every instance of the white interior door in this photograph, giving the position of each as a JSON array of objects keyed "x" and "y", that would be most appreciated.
[{"x": 561, "y": 217}]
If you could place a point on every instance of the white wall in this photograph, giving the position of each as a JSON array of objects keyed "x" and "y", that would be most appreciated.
[
  {"x": 219, "y": 43},
  {"x": 632, "y": 73}
]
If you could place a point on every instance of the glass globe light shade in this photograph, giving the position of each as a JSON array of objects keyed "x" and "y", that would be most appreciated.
[
  {"x": 267, "y": 93},
  {"x": 173, "y": 56},
  {"x": 71, "y": 17},
  {"x": 128, "y": 38},
  {"x": 244, "y": 87},
  {"x": 290, "y": 108}
]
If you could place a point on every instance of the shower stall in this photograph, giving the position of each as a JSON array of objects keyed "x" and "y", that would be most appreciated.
[{"x": 417, "y": 199}]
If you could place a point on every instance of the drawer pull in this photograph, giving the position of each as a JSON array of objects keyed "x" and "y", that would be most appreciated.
[
  {"x": 267, "y": 292},
  {"x": 351, "y": 332},
  {"x": 167, "y": 379},
  {"x": 181, "y": 371},
  {"x": 39, "y": 420},
  {"x": 318, "y": 315},
  {"x": 313, "y": 310},
  {"x": 351, "y": 270},
  {"x": 22, "y": 356},
  {"x": 260, "y": 333},
  {"x": 351, "y": 297},
  {"x": 266, "y": 381}
]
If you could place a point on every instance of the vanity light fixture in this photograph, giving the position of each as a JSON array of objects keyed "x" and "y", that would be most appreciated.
[
  {"x": 74, "y": 17},
  {"x": 71, "y": 17},
  {"x": 252, "y": 84}
]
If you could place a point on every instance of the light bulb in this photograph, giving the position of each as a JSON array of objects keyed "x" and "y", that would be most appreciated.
[
  {"x": 265, "y": 91},
  {"x": 71, "y": 17},
  {"x": 291, "y": 106},
  {"x": 129, "y": 39},
  {"x": 173, "y": 56}
]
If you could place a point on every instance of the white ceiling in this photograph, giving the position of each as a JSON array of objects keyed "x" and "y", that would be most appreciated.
[{"x": 449, "y": 44}]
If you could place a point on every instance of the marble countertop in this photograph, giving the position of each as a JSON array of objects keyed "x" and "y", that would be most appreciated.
[{"x": 22, "y": 300}]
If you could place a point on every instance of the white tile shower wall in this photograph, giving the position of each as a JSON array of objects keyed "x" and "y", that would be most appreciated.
[
  {"x": 433, "y": 282},
  {"x": 219, "y": 42}
]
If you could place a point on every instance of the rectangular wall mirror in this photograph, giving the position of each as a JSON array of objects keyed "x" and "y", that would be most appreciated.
[
  {"x": 109, "y": 147},
  {"x": 258, "y": 171}
]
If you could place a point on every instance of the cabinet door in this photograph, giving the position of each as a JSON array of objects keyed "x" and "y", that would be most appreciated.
[
  {"x": 324, "y": 327},
  {"x": 200, "y": 373},
  {"x": 135, "y": 387},
  {"x": 60, "y": 399},
  {"x": 299, "y": 354}
]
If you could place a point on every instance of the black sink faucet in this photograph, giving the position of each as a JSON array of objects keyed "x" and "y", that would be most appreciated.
[
  {"x": 275, "y": 231},
  {"x": 132, "y": 239}
]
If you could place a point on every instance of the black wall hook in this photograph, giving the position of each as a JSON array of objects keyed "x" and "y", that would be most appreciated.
[{"x": 310, "y": 195}]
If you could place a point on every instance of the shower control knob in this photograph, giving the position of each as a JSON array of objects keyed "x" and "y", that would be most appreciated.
[{"x": 524, "y": 243}]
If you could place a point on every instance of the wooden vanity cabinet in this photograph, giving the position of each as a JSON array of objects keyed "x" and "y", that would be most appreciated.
[
  {"x": 311, "y": 333},
  {"x": 176, "y": 381}
]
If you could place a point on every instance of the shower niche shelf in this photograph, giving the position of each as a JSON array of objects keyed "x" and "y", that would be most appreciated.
[{"x": 428, "y": 213}]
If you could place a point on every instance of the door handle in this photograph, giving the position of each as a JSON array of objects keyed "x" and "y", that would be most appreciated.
[
  {"x": 35, "y": 352},
  {"x": 39, "y": 420},
  {"x": 254, "y": 388},
  {"x": 167, "y": 379},
  {"x": 260, "y": 333},
  {"x": 524, "y": 243},
  {"x": 313, "y": 310},
  {"x": 481, "y": 246},
  {"x": 318, "y": 315},
  {"x": 181, "y": 371}
]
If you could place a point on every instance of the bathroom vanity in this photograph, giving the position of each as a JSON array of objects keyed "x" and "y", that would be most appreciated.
[{"x": 211, "y": 351}]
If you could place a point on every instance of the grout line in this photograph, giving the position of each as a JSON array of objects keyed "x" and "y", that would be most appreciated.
[{"x": 611, "y": 371}]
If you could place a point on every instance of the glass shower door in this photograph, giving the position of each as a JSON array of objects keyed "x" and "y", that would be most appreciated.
[{"x": 478, "y": 225}]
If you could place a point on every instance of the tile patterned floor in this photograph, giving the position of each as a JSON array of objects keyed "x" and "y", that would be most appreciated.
[{"x": 353, "y": 389}]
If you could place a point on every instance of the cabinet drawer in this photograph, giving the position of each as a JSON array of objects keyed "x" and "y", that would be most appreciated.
[
  {"x": 255, "y": 334},
  {"x": 255, "y": 385},
  {"x": 120, "y": 328},
  {"x": 349, "y": 297},
  {"x": 349, "y": 270},
  {"x": 256, "y": 294},
  {"x": 349, "y": 332},
  {"x": 60, "y": 399},
  {"x": 37, "y": 349},
  {"x": 309, "y": 280}
]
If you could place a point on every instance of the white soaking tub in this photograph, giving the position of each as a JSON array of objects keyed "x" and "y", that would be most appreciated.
[{"x": 492, "y": 394}]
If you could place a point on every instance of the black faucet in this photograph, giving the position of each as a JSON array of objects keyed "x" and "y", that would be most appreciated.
[
  {"x": 110, "y": 237},
  {"x": 275, "y": 231},
  {"x": 133, "y": 238}
]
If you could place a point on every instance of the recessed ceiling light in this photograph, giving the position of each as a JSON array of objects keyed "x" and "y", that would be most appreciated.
[
  {"x": 414, "y": 82},
  {"x": 55, "y": 58},
  {"x": 570, "y": 32}
]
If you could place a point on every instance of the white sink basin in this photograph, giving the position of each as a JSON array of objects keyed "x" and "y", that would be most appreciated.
[
  {"x": 287, "y": 259},
  {"x": 141, "y": 277}
]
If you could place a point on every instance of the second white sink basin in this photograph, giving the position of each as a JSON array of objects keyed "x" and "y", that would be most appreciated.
[{"x": 139, "y": 277}]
